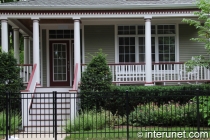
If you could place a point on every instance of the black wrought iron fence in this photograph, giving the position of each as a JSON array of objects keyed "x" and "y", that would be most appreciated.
[{"x": 183, "y": 114}]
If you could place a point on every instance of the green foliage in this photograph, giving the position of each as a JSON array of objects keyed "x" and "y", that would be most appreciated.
[
  {"x": 94, "y": 120},
  {"x": 203, "y": 27},
  {"x": 115, "y": 101},
  {"x": 97, "y": 77},
  {"x": 204, "y": 106},
  {"x": 10, "y": 80},
  {"x": 9, "y": 72},
  {"x": 15, "y": 121},
  {"x": 88, "y": 120},
  {"x": 171, "y": 114}
]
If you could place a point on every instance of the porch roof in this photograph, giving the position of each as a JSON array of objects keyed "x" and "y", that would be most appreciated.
[{"x": 97, "y": 4}]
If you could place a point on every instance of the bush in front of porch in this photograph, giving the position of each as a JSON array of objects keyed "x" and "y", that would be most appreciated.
[
  {"x": 10, "y": 80},
  {"x": 97, "y": 77}
]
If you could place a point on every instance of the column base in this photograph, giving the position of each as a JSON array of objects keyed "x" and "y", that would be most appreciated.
[{"x": 149, "y": 84}]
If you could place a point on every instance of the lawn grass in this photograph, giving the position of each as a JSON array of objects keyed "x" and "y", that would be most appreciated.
[{"x": 121, "y": 133}]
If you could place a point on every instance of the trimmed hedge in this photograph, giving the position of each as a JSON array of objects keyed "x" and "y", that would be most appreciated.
[{"x": 115, "y": 101}]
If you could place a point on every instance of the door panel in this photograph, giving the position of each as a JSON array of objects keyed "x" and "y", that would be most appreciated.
[{"x": 59, "y": 63}]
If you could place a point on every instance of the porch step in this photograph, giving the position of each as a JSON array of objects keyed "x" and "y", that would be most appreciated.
[
  {"x": 42, "y": 129},
  {"x": 51, "y": 89},
  {"x": 40, "y": 117},
  {"x": 49, "y": 110},
  {"x": 50, "y": 105},
  {"x": 63, "y": 116},
  {"x": 44, "y": 123}
]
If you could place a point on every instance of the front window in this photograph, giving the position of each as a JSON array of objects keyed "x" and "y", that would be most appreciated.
[
  {"x": 127, "y": 49},
  {"x": 131, "y": 43}
]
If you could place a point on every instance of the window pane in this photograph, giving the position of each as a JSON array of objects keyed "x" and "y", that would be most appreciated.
[
  {"x": 141, "y": 57},
  {"x": 166, "y": 29},
  {"x": 126, "y": 30},
  {"x": 121, "y": 41},
  {"x": 161, "y": 57},
  {"x": 127, "y": 59},
  {"x": 141, "y": 49},
  {"x": 132, "y": 41},
  {"x": 121, "y": 49},
  {"x": 132, "y": 58},
  {"x": 121, "y": 58},
  {"x": 132, "y": 49},
  {"x": 127, "y": 40}
]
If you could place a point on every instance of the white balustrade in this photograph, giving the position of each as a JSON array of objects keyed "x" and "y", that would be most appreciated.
[
  {"x": 25, "y": 72},
  {"x": 161, "y": 72}
]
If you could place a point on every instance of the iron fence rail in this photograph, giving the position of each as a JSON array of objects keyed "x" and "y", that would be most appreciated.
[{"x": 103, "y": 115}]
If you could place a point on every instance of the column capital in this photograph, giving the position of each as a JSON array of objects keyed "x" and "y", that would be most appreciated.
[
  {"x": 35, "y": 19},
  {"x": 26, "y": 36},
  {"x": 15, "y": 28},
  {"x": 76, "y": 18},
  {"x": 147, "y": 18},
  {"x": 3, "y": 18}
]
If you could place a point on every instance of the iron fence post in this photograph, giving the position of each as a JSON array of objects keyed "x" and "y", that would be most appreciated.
[
  {"x": 7, "y": 115},
  {"x": 127, "y": 113},
  {"x": 198, "y": 113},
  {"x": 55, "y": 114}
]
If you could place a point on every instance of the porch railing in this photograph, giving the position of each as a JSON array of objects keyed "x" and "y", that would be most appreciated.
[
  {"x": 161, "y": 72},
  {"x": 25, "y": 71}
]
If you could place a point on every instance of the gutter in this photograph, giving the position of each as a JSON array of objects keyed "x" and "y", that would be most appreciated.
[{"x": 96, "y": 7}]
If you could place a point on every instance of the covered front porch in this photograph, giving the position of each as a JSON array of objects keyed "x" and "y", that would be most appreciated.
[{"x": 150, "y": 51}]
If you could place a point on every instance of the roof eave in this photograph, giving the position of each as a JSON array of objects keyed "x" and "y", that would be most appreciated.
[{"x": 104, "y": 7}]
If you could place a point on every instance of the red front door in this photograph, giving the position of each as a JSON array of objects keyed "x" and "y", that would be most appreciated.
[{"x": 59, "y": 63}]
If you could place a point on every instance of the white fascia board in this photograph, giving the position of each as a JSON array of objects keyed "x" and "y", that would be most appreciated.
[
  {"x": 116, "y": 16},
  {"x": 99, "y": 7}
]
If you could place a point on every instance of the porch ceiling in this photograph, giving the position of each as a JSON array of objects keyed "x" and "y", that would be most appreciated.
[{"x": 28, "y": 23}]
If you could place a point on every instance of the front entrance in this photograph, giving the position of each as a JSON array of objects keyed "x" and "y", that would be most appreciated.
[{"x": 59, "y": 63}]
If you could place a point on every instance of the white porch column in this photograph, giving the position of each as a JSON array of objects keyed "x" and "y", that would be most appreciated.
[
  {"x": 26, "y": 49},
  {"x": 16, "y": 44},
  {"x": 148, "y": 52},
  {"x": 77, "y": 46},
  {"x": 36, "y": 47},
  {"x": 4, "y": 35}
]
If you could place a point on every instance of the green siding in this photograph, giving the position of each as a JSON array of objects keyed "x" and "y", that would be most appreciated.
[
  {"x": 188, "y": 48},
  {"x": 99, "y": 37},
  {"x": 44, "y": 61}
]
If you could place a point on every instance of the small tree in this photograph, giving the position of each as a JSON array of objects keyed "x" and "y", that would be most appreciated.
[
  {"x": 203, "y": 27},
  {"x": 97, "y": 77}
]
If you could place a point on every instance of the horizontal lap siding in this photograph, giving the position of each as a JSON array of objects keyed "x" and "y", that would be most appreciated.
[
  {"x": 99, "y": 37},
  {"x": 187, "y": 47}
]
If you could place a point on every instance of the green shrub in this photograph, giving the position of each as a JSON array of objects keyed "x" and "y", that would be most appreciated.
[
  {"x": 115, "y": 101},
  {"x": 10, "y": 73},
  {"x": 171, "y": 114},
  {"x": 204, "y": 106},
  {"x": 96, "y": 78},
  {"x": 88, "y": 120},
  {"x": 15, "y": 122}
]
